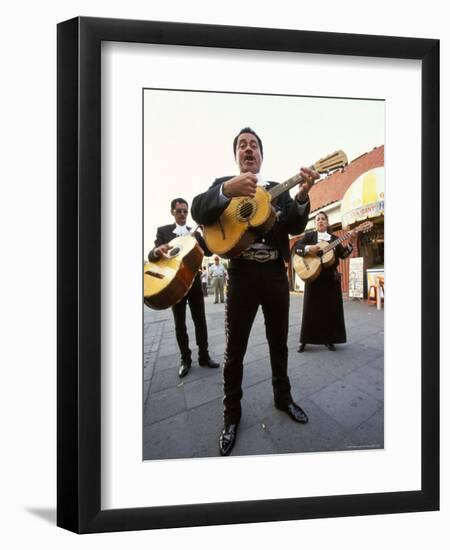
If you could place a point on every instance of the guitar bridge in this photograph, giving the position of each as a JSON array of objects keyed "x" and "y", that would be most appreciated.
[{"x": 154, "y": 274}]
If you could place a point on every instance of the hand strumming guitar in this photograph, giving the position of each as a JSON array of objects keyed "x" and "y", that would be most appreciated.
[
  {"x": 243, "y": 185},
  {"x": 314, "y": 250},
  {"x": 161, "y": 250}
]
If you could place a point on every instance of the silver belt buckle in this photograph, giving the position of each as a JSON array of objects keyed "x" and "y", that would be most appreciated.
[{"x": 261, "y": 255}]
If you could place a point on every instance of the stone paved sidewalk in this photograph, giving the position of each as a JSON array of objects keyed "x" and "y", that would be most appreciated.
[{"x": 342, "y": 392}]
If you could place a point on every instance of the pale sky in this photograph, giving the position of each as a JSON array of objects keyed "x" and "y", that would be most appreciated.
[{"x": 188, "y": 140}]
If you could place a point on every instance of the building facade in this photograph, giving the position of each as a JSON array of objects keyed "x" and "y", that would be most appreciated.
[{"x": 350, "y": 197}]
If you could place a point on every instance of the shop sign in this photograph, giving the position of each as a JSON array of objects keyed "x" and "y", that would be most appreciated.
[
  {"x": 356, "y": 278},
  {"x": 363, "y": 212}
]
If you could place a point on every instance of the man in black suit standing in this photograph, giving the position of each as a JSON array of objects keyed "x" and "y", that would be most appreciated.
[
  {"x": 256, "y": 277},
  {"x": 179, "y": 209}
]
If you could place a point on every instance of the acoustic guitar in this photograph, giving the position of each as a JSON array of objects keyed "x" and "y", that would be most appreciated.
[
  {"x": 168, "y": 280},
  {"x": 309, "y": 266},
  {"x": 246, "y": 219}
]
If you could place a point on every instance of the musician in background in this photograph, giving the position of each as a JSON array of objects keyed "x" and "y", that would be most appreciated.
[
  {"x": 323, "y": 311},
  {"x": 179, "y": 209},
  {"x": 256, "y": 277}
]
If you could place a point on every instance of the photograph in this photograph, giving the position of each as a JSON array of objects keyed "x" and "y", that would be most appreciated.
[{"x": 263, "y": 260}]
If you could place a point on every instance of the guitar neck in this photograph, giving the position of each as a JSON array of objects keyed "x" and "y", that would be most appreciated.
[
  {"x": 332, "y": 162},
  {"x": 285, "y": 186},
  {"x": 335, "y": 243},
  {"x": 192, "y": 231}
]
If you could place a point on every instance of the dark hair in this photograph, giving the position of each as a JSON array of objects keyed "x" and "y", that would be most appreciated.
[
  {"x": 174, "y": 203},
  {"x": 247, "y": 130},
  {"x": 323, "y": 214}
]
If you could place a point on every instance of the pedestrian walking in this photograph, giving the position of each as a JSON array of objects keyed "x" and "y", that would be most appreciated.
[{"x": 218, "y": 274}]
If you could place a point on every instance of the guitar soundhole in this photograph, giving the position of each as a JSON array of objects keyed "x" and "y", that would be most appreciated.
[
  {"x": 246, "y": 211},
  {"x": 174, "y": 251}
]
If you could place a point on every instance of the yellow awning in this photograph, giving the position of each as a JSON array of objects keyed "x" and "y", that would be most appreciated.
[{"x": 364, "y": 198}]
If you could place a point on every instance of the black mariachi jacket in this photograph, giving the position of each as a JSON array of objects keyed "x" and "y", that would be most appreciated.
[{"x": 293, "y": 216}]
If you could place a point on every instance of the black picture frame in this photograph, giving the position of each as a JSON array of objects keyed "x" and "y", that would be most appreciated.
[{"x": 79, "y": 275}]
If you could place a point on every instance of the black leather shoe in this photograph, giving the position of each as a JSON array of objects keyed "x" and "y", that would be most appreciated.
[
  {"x": 295, "y": 412},
  {"x": 227, "y": 439},
  {"x": 208, "y": 363},
  {"x": 184, "y": 368},
  {"x": 301, "y": 348},
  {"x": 331, "y": 347}
]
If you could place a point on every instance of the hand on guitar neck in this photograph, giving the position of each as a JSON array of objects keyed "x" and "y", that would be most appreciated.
[
  {"x": 309, "y": 176},
  {"x": 352, "y": 235}
]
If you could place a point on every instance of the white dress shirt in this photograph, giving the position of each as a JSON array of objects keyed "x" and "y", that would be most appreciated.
[
  {"x": 323, "y": 236},
  {"x": 180, "y": 230}
]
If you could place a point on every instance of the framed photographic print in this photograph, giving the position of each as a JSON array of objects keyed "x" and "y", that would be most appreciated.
[{"x": 165, "y": 128}]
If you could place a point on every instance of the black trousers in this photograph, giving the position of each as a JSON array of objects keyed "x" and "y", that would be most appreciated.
[
  {"x": 252, "y": 284},
  {"x": 197, "y": 306}
]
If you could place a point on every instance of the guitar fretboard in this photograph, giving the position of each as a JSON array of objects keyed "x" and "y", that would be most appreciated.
[
  {"x": 336, "y": 242},
  {"x": 363, "y": 227},
  {"x": 336, "y": 160},
  {"x": 285, "y": 186}
]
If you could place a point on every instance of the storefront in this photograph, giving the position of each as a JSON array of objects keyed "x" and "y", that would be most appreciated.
[
  {"x": 349, "y": 198},
  {"x": 364, "y": 200}
]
